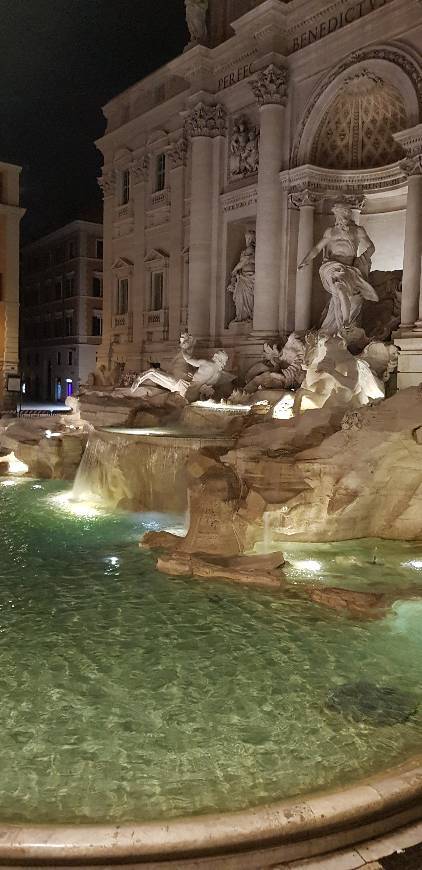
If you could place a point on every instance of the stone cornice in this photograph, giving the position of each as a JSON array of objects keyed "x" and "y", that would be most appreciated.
[
  {"x": 242, "y": 198},
  {"x": 205, "y": 120},
  {"x": 269, "y": 86},
  {"x": 317, "y": 181}
]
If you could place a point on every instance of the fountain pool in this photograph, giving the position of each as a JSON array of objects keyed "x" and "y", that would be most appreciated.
[{"x": 129, "y": 696}]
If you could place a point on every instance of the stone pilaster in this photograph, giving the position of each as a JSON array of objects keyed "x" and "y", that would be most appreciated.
[
  {"x": 411, "y": 141},
  {"x": 269, "y": 87},
  {"x": 107, "y": 183},
  {"x": 305, "y": 202},
  {"x": 409, "y": 337},
  {"x": 204, "y": 124},
  {"x": 177, "y": 158},
  {"x": 140, "y": 173}
]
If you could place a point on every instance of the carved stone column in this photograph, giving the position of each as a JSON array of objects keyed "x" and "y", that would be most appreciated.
[
  {"x": 270, "y": 89},
  {"x": 204, "y": 124},
  {"x": 176, "y": 157},
  {"x": 107, "y": 183},
  {"x": 305, "y": 202},
  {"x": 411, "y": 141}
]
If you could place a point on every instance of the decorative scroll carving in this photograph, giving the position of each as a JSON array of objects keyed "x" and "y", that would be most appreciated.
[
  {"x": 140, "y": 169},
  {"x": 107, "y": 183},
  {"x": 244, "y": 148},
  {"x": 269, "y": 86},
  {"x": 177, "y": 153},
  {"x": 206, "y": 120}
]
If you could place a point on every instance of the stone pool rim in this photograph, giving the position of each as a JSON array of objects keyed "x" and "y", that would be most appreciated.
[{"x": 303, "y": 827}]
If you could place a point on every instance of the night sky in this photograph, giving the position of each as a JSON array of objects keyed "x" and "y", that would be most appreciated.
[{"x": 60, "y": 61}]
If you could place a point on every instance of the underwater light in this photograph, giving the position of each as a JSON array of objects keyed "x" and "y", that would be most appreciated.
[
  {"x": 112, "y": 560},
  {"x": 308, "y": 565},
  {"x": 8, "y": 483},
  {"x": 413, "y": 563},
  {"x": 77, "y": 508}
]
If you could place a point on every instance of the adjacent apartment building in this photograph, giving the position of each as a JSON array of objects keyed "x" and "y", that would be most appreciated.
[
  {"x": 10, "y": 216},
  {"x": 61, "y": 310}
]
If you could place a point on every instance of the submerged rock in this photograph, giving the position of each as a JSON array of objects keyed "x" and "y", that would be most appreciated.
[
  {"x": 376, "y": 705},
  {"x": 360, "y": 604}
]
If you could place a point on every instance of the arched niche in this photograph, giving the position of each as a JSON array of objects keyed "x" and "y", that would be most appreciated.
[{"x": 400, "y": 74}]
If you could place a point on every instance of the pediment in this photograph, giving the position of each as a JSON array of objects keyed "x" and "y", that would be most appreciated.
[
  {"x": 156, "y": 255},
  {"x": 122, "y": 267}
]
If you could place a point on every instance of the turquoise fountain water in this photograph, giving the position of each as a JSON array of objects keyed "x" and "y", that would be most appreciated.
[{"x": 126, "y": 695}]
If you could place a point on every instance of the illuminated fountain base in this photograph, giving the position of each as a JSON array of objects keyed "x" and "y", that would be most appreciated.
[{"x": 140, "y": 469}]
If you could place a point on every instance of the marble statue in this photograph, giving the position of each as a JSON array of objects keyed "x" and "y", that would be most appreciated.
[
  {"x": 334, "y": 377},
  {"x": 344, "y": 271},
  {"x": 196, "y": 19},
  {"x": 244, "y": 149},
  {"x": 189, "y": 385},
  {"x": 242, "y": 284},
  {"x": 281, "y": 369}
]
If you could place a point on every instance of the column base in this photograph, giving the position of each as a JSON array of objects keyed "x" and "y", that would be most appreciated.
[{"x": 409, "y": 371}]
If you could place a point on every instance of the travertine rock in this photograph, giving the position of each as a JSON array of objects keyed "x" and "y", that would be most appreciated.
[
  {"x": 247, "y": 570},
  {"x": 362, "y": 604}
]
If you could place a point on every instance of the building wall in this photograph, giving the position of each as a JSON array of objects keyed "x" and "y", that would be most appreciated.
[
  {"x": 59, "y": 346},
  {"x": 10, "y": 217},
  {"x": 192, "y": 230}
]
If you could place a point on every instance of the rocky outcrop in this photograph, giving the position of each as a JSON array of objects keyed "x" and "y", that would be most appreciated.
[
  {"x": 259, "y": 571},
  {"x": 49, "y": 456}
]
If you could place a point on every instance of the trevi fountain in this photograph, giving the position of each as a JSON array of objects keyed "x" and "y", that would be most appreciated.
[{"x": 228, "y": 575}]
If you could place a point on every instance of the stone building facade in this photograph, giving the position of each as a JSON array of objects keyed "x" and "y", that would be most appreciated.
[
  {"x": 61, "y": 310},
  {"x": 221, "y": 169},
  {"x": 10, "y": 217}
]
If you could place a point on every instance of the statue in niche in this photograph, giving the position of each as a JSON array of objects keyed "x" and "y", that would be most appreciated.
[
  {"x": 242, "y": 284},
  {"x": 244, "y": 149},
  {"x": 281, "y": 369},
  {"x": 196, "y": 19},
  {"x": 344, "y": 271}
]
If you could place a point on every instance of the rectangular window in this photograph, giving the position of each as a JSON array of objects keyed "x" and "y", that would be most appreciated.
[
  {"x": 122, "y": 296},
  {"x": 37, "y": 359},
  {"x": 99, "y": 249},
  {"x": 97, "y": 286},
  {"x": 68, "y": 323},
  {"x": 71, "y": 250},
  {"x": 97, "y": 325},
  {"x": 70, "y": 358},
  {"x": 58, "y": 288},
  {"x": 160, "y": 172},
  {"x": 58, "y": 327},
  {"x": 59, "y": 358},
  {"x": 69, "y": 287},
  {"x": 157, "y": 285},
  {"x": 125, "y": 187}
]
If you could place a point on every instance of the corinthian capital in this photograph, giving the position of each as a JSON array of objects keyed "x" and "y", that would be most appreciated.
[
  {"x": 269, "y": 86},
  {"x": 177, "y": 153},
  {"x": 107, "y": 182},
  {"x": 411, "y": 142},
  {"x": 412, "y": 165},
  {"x": 206, "y": 120}
]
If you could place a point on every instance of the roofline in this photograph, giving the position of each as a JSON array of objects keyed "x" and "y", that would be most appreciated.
[{"x": 64, "y": 230}]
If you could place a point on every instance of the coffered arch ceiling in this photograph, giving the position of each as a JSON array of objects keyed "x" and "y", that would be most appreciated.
[
  {"x": 353, "y": 112},
  {"x": 356, "y": 130}
]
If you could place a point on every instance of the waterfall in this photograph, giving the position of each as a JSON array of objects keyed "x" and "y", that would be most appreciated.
[{"x": 135, "y": 473}]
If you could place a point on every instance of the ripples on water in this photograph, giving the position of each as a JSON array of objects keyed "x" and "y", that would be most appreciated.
[{"x": 126, "y": 695}]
